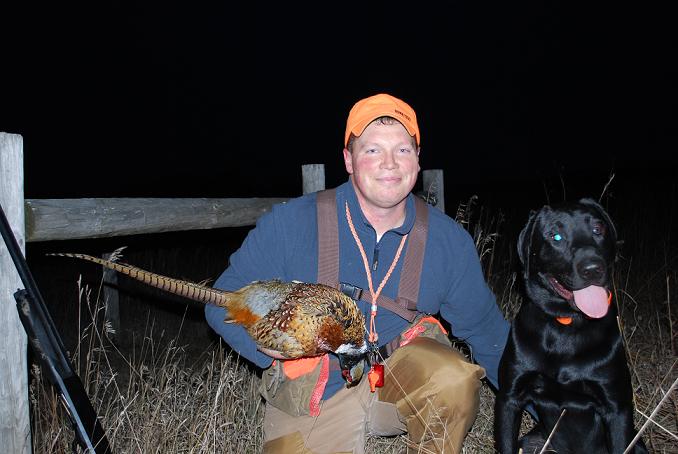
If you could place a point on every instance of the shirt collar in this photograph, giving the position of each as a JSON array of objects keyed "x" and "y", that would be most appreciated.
[{"x": 347, "y": 192}]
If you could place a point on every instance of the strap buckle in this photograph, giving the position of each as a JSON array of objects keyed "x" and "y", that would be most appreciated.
[{"x": 350, "y": 290}]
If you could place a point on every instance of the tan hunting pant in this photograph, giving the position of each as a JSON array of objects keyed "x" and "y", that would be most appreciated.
[{"x": 430, "y": 391}]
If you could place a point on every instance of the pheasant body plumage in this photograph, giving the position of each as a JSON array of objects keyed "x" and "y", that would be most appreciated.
[
  {"x": 298, "y": 319},
  {"x": 289, "y": 319}
]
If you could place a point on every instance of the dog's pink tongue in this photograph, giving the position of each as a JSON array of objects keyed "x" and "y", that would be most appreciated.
[{"x": 592, "y": 301}]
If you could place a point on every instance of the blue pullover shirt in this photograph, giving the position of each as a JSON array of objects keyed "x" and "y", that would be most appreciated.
[{"x": 284, "y": 245}]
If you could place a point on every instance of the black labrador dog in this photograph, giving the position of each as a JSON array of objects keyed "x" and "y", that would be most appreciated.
[{"x": 565, "y": 355}]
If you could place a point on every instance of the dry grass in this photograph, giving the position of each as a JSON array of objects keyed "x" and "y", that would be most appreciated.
[
  {"x": 155, "y": 400},
  {"x": 158, "y": 399}
]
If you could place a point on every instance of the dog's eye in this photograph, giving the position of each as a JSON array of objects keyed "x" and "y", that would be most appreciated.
[
  {"x": 556, "y": 236},
  {"x": 598, "y": 229}
]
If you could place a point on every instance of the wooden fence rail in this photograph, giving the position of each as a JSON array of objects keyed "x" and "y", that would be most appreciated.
[{"x": 68, "y": 219}]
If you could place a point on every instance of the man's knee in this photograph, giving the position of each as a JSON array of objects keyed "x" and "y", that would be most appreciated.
[
  {"x": 430, "y": 370},
  {"x": 458, "y": 373},
  {"x": 437, "y": 392},
  {"x": 457, "y": 383}
]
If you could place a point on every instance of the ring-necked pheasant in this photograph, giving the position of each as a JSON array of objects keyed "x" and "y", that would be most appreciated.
[{"x": 287, "y": 320}]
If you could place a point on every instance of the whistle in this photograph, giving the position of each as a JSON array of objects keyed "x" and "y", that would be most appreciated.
[{"x": 376, "y": 377}]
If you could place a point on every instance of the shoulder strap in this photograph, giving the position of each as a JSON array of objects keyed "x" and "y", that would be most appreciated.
[
  {"x": 405, "y": 304},
  {"x": 408, "y": 289},
  {"x": 328, "y": 238}
]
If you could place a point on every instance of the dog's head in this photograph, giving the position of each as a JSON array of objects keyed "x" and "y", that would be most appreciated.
[{"x": 567, "y": 252}]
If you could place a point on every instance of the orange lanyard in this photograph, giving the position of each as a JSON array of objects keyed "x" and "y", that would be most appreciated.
[{"x": 373, "y": 331}]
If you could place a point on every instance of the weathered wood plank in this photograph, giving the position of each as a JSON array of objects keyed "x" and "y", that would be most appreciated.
[
  {"x": 66, "y": 219},
  {"x": 14, "y": 415},
  {"x": 433, "y": 182},
  {"x": 313, "y": 177}
]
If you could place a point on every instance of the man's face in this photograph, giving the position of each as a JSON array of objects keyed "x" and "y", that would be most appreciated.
[{"x": 384, "y": 165}]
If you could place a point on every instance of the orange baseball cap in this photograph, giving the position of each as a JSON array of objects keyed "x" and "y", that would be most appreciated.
[{"x": 369, "y": 109}]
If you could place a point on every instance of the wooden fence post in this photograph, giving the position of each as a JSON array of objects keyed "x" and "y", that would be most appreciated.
[
  {"x": 313, "y": 177},
  {"x": 15, "y": 432},
  {"x": 433, "y": 184}
]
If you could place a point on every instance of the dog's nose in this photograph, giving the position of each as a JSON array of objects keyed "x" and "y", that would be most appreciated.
[{"x": 591, "y": 269}]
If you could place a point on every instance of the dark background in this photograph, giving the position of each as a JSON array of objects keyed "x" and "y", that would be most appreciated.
[{"x": 520, "y": 104}]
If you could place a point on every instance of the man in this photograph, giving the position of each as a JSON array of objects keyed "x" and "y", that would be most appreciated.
[{"x": 430, "y": 390}]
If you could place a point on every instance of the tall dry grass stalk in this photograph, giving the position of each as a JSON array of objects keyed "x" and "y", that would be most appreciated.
[{"x": 157, "y": 399}]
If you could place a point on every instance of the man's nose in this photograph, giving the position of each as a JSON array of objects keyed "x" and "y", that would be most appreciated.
[{"x": 389, "y": 161}]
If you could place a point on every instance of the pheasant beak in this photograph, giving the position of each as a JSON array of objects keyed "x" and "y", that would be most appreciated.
[{"x": 352, "y": 368}]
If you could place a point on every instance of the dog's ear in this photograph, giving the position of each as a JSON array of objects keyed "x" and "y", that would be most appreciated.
[
  {"x": 603, "y": 214},
  {"x": 525, "y": 238}
]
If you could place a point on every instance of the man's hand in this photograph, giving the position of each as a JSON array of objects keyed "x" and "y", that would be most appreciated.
[{"x": 272, "y": 353}]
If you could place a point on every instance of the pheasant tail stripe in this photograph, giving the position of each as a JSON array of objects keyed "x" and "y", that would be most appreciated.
[{"x": 205, "y": 295}]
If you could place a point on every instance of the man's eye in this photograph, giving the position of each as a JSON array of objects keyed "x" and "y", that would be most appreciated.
[{"x": 405, "y": 150}]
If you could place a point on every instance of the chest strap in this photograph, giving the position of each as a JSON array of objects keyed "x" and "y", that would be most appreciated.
[{"x": 405, "y": 304}]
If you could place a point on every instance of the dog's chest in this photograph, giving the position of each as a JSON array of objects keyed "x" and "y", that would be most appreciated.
[
  {"x": 553, "y": 344},
  {"x": 561, "y": 349},
  {"x": 568, "y": 361}
]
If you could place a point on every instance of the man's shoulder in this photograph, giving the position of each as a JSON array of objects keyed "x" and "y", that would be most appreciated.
[
  {"x": 296, "y": 206},
  {"x": 442, "y": 224}
]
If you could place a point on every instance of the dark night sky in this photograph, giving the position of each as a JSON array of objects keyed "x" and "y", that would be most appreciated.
[{"x": 216, "y": 100}]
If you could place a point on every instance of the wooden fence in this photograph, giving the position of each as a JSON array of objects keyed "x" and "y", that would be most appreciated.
[{"x": 66, "y": 219}]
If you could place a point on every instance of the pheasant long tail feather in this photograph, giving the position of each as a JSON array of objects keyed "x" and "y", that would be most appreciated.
[{"x": 190, "y": 290}]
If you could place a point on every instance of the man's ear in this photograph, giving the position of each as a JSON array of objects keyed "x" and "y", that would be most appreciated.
[{"x": 348, "y": 161}]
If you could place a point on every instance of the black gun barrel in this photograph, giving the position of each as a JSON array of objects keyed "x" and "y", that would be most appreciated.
[{"x": 50, "y": 351}]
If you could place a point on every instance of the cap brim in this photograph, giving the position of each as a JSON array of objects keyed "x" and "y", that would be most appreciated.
[{"x": 359, "y": 127}]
